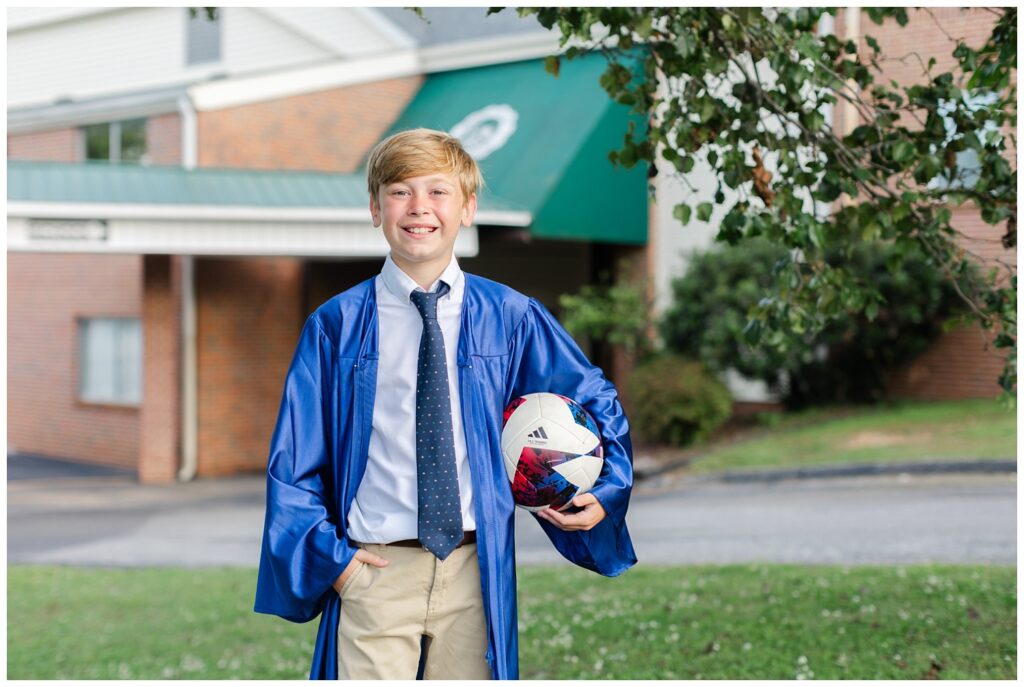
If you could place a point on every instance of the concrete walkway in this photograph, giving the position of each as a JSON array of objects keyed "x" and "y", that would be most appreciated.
[{"x": 77, "y": 515}]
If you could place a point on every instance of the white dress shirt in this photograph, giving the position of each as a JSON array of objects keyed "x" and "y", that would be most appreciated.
[{"x": 385, "y": 506}]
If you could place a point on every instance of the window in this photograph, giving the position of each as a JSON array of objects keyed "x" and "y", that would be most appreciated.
[
  {"x": 116, "y": 141},
  {"x": 967, "y": 162},
  {"x": 202, "y": 37},
  {"x": 110, "y": 360}
]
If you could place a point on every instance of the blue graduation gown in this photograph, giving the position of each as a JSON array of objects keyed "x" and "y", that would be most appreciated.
[{"x": 509, "y": 345}]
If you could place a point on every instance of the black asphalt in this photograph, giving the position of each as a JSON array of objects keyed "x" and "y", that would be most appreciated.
[{"x": 23, "y": 466}]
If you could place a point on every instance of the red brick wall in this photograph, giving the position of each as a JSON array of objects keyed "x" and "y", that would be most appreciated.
[
  {"x": 45, "y": 293},
  {"x": 163, "y": 139},
  {"x": 329, "y": 130},
  {"x": 962, "y": 363},
  {"x": 249, "y": 320},
  {"x": 160, "y": 425},
  {"x": 163, "y": 142},
  {"x": 57, "y": 145}
]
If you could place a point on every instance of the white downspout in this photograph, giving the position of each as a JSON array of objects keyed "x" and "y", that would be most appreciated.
[{"x": 189, "y": 373}]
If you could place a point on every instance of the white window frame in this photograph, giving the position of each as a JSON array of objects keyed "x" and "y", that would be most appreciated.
[
  {"x": 113, "y": 142},
  {"x": 120, "y": 394}
]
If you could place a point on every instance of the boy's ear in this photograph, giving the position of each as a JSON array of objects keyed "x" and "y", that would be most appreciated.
[
  {"x": 469, "y": 211},
  {"x": 374, "y": 211}
]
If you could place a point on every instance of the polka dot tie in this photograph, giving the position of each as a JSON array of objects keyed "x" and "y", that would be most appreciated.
[{"x": 440, "y": 511}]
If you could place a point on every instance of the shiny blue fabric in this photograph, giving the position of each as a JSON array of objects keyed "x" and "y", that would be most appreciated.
[{"x": 509, "y": 345}]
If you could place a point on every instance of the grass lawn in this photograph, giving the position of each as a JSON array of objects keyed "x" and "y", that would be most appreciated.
[
  {"x": 897, "y": 432},
  {"x": 737, "y": 621}
]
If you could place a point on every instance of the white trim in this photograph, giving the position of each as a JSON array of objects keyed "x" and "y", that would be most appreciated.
[
  {"x": 390, "y": 29},
  {"x": 180, "y": 237},
  {"x": 278, "y": 16},
  {"x": 244, "y": 90},
  {"x": 184, "y": 212},
  {"x": 217, "y": 213},
  {"x": 189, "y": 372},
  {"x": 488, "y": 51},
  {"x": 61, "y": 116},
  {"x": 189, "y": 135},
  {"x": 60, "y": 15},
  {"x": 504, "y": 218}
]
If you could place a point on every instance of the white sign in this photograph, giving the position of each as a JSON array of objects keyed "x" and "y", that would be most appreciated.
[
  {"x": 486, "y": 130},
  {"x": 67, "y": 230}
]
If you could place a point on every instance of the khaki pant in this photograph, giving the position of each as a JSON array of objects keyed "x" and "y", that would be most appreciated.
[{"x": 385, "y": 611}]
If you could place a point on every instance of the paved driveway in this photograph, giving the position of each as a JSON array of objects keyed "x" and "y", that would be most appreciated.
[{"x": 108, "y": 519}]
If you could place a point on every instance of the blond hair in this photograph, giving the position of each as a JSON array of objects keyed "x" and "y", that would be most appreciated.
[{"x": 417, "y": 152}]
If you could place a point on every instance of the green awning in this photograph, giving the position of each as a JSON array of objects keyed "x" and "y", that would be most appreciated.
[{"x": 542, "y": 143}]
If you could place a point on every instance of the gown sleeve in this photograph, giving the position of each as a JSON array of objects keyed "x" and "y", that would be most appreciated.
[
  {"x": 544, "y": 357},
  {"x": 302, "y": 553}
]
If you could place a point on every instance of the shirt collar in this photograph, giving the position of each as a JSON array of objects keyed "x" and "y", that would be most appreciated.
[{"x": 401, "y": 284}]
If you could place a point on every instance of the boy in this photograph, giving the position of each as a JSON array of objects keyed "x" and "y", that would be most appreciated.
[{"x": 389, "y": 512}]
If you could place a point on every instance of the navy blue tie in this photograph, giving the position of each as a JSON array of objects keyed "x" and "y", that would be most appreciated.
[{"x": 440, "y": 510}]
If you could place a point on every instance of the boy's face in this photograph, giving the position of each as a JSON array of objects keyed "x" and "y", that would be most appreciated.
[{"x": 420, "y": 217}]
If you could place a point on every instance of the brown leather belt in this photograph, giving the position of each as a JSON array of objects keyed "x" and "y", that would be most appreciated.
[{"x": 470, "y": 538}]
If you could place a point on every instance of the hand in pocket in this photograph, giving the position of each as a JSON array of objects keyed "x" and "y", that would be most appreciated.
[{"x": 362, "y": 557}]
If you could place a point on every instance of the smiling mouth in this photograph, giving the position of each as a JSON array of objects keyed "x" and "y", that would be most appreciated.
[{"x": 420, "y": 230}]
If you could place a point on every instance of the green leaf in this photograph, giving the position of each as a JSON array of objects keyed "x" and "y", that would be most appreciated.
[
  {"x": 707, "y": 109},
  {"x": 871, "y": 311},
  {"x": 552, "y": 64},
  {"x": 903, "y": 151},
  {"x": 682, "y": 213},
  {"x": 643, "y": 27},
  {"x": 752, "y": 332},
  {"x": 685, "y": 163},
  {"x": 814, "y": 120},
  {"x": 704, "y": 211}
]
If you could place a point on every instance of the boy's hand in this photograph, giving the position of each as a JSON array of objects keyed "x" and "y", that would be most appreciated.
[
  {"x": 592, "y": 513},
  {"x": 363, "y": 556}
]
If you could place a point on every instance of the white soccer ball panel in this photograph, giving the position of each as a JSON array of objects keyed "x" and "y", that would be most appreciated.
[
  {"x": 554, "y": 408},
  {"x": 520, "y": 422},
  {"x": 582, "y": 471}
]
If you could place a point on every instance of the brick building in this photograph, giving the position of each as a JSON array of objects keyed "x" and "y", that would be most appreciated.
[
  {"x": 962, "y": 363},
  {"x": 167, "y": 241},
  {"x": 175, "y": 216}
]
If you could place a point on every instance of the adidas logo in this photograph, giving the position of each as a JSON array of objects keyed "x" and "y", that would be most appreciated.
[{"x": 538, "y": 433}]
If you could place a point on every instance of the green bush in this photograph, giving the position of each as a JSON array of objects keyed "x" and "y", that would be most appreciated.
[
  {"x": 615, "y": 310},
  {"x": 676, "y": 400},
  {"x": 710, "y": 306},
  {"x": 848, "y": 361}
]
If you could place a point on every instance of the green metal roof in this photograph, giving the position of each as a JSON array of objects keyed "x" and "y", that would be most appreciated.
[
  {"x": 555, "y": 163},
  {"x": 101, "y": 182}
]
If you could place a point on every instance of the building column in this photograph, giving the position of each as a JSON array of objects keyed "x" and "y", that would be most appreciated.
[
  {"x": 160, "y": 418},
  {"x": 632, "y": 266}
]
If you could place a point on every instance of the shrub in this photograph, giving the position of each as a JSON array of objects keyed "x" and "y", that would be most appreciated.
[
  {"x": 676, "y": 400},
  {"x": 710, "y": 306},
  {"x": 613, "y": 311},
  {"x": 847, "y": 361}
]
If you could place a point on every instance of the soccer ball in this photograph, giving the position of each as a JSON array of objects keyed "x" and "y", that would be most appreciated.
[{"x": 552, "y": 450}]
